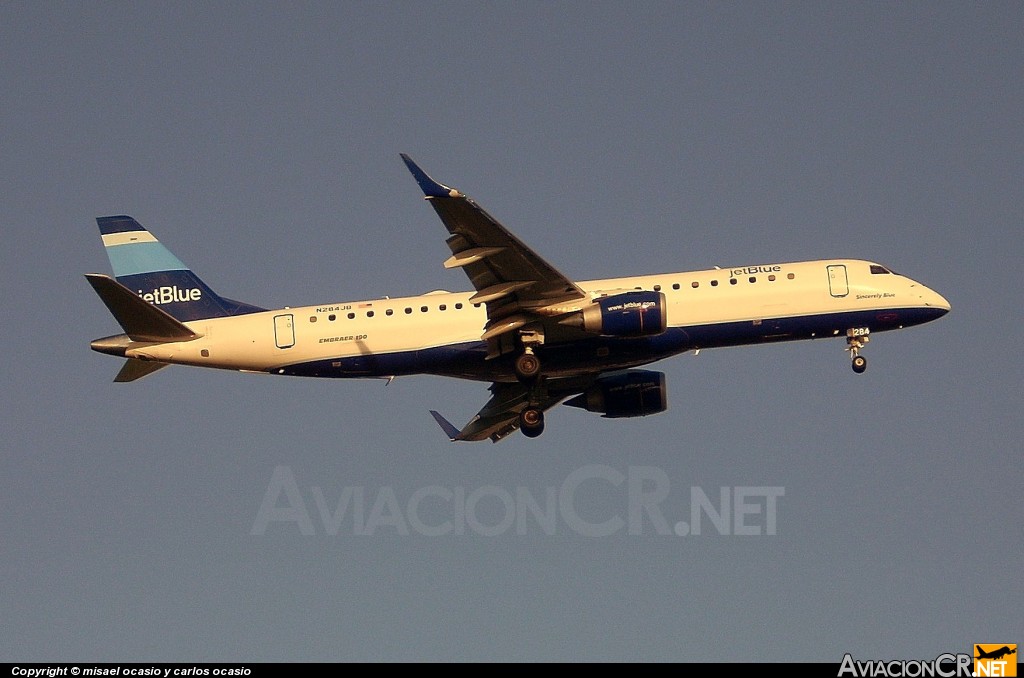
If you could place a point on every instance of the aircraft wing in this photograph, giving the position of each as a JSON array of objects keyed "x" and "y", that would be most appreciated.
[
  {"x": 499, "y": 418},
  {"x": 510, "y": 278}
]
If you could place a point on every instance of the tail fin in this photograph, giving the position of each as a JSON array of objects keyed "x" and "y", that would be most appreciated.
[{"x": 142, "y": 264}]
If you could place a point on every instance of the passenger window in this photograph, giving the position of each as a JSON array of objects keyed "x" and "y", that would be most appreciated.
[
  {"x": 791, "y": 276},
  {"x": 657, "y": 288},
  {"x": 695, "y": 284},
  {"x": 771, "y": 278},
  {"x": 732, "y": 281},
  {"x": 351, "y": 316},
  {"x": 332, "y": 317},
  {"x": 389, "y": 312},
  {"x": 369, "y": 314},
  {"x": 423, "y": 309},
  {"x": 675, "y": 286},
  {"x": 442, "y": 307},
  {"x": 312, "y": 318},
  {"x": 458, "y": 306},
  {"x": 408, "y": 310},
  {"x": 753, "y": 279},
  {"x": 714, "y": 283}
]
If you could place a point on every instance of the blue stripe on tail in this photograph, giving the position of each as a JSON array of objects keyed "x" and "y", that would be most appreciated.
[
  {"x": 142, "y": 264},
  {"x": 119, "y": 224},
  {"x": 143, "y": 257}
]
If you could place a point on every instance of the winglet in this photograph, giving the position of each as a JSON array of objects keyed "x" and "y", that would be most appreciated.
[
  {"x": 446, "y": 426},
  {"x": 431, "y": 189}
]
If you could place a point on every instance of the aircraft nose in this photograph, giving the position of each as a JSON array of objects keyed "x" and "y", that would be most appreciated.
[{"x": 936, "y": 300}]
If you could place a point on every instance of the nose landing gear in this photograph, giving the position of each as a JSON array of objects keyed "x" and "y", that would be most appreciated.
[
  {"x": 856, "y": 338},
  {"x": 859, "y": 364}
]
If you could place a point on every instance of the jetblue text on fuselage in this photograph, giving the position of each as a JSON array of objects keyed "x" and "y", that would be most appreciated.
[
  {"x": 171, "y": 294},
  {"x": 750, "y": 270}
]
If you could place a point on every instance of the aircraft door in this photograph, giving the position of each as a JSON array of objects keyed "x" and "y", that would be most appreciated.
[
  {"x": 284, "y": 330},
  {"x": 838, "y": 284}
]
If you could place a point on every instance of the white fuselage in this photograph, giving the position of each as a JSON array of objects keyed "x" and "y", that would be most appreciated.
[{"x": 432, "y": 333}]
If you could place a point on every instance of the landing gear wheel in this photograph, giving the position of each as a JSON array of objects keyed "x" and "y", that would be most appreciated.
[
  {"x": 527, "y": 367},
  {"x": 856, "y": 339},
  {"x": 531, "y": 422}
]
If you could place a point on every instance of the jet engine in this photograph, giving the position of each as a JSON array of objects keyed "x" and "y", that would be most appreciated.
[
  {"x": 634, "y": 393},
  {"x": 627, "y": 314}
]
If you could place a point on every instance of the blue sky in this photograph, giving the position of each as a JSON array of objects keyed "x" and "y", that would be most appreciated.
[{"x": 260, "y": 142}]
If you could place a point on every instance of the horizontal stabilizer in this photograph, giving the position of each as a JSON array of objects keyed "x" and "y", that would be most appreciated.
[
  {"x": 134, "y": 369},
  {"x": 140, "y": 320}
]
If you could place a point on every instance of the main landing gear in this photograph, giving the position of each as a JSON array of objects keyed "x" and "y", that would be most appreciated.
[
  {"x": 531, "y": 422},
  {"x": 527, "y": 367},
  {"x": 531, "y": 419},
  {"x": 856, "y": 338}
]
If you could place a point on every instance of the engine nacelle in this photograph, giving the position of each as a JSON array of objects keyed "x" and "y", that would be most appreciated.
[
  {"x": 635, "y": 393},
  {"x": 628, "y": 314}
]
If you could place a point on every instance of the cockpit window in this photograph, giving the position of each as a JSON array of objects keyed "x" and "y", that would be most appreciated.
[{"x": 877, "y": 270}]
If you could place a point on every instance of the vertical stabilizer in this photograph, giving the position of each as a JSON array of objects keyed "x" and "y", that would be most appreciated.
[{"x": 142, "y": 264}]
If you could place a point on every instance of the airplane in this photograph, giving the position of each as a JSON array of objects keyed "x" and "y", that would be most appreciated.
[
  {"x": 995, "y": 654},
  {"x": 537, "y": 336}
]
